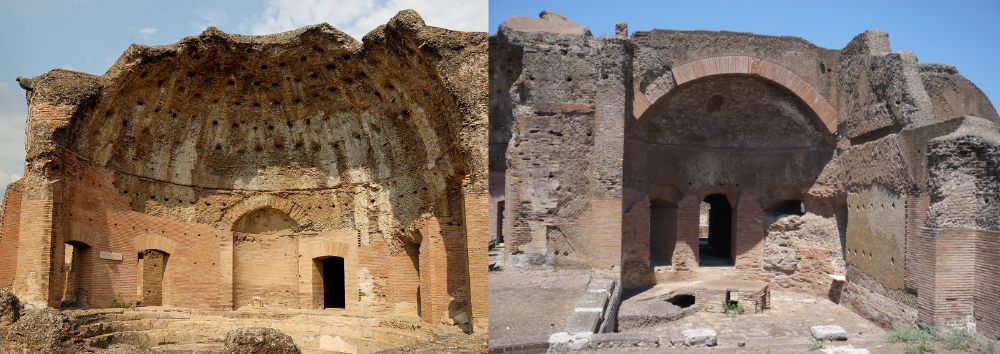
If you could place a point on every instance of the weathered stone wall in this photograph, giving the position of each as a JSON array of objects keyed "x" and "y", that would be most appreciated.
[
  {"x": 662, "y": 50},
  {"x": 801, "y": 252},
  {"x": 881, "y": 91},
  {"x": 952, "y": 95},
  {"x": 743, "y": 137},
  {"x": 548, "y": 84},
  {"x": 175, "y": 143}
]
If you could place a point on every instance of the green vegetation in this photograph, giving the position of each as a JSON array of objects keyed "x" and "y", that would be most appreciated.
[
  {"x": 118, "y": 302},
  {"x": 814, "y": 344},
  {"x": 733, "y": 309},
  {"x": 924, "y": 339}
]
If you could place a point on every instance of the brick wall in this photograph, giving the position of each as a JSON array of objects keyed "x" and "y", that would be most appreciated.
[
  {"x": 261, "y": 268},
  {"x": 10, "y": 225},
  {"x": 749, "y": 235},
  {"x": 987, "y": 289},
  {"x": 916, "y": 216},
  {"x": 950, "y": 256},
  {"x": 477, "y": 223},
  {"x": 688, "y": 229},
  {"x": 150, "y": 278},
  {"x": 636, "y": 243}
]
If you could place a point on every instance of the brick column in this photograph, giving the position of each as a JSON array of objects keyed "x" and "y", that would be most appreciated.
[
  {"x": 34, "y": 251},
  {"x": 749, "y": 235},
  {"x": 987, "y": 288},
  {"x": 226, "y": 271},
  {"x": 916, "y": 216},
  {"x": 636, "y": 270},
  {"x": 688, "y": 230},
  {"x": 433, "y": 273},
  {"x": 477, "y": 222},
  {"x": 613, "y": 107},
  {"x": 946, "y": 297}
]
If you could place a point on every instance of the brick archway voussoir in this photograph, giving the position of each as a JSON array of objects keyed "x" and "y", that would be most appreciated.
[{"x": 758, "y": 67}]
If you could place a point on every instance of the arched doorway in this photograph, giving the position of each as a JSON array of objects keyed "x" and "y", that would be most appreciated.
[
  {"x": 151, "y": 270},
  {"x": 77, "y": 271},
  {"x": 332, "y": 274},
  {"x": 716, "y": 249}
]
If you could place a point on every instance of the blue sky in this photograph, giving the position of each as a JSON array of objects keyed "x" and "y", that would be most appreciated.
[
  {"x": 89, "y": 35},
  {"x": 965, "y": 34}
]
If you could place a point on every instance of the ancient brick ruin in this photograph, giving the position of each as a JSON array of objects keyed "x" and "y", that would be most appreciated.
[
  {"x": 856, "y": 174},
  {"x": 300, "y": 170}
]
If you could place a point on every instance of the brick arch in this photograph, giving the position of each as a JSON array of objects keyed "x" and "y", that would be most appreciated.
[
  {"x": 728, "y": 65},
  {"x": 81, "y": 233},
  {"x": 327, "y": 249},
  {"x": 292, "y": 209},
  {"x": 154, "y": 242}
]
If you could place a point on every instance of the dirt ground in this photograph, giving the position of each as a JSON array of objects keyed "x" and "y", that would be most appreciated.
[
  {"x": 790, "y": 315},
  {"x": 533, "y": 303},
  {"x": 782, "y": 329}
]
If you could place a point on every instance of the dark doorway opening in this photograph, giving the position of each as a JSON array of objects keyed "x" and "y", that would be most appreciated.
[
  {"x": 77, "y": 264},
  {"x": 500, "y": 209},
  {"x": 716, "y": 250},
  {"x": 662, "y": 231},
  {"x": 333, "y": 283}
]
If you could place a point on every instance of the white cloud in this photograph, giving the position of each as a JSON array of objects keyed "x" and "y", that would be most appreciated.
[
  {"x": 5, "y": 180},
  {"x": 13, "y": 110},
  {"x": 209, "y": 18},
  {"x": 358, "y": 17},
  {"x": 148, "y": 31}
]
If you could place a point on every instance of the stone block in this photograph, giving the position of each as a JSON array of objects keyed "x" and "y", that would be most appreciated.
[
  {"x": 584, "y": 321},
  {"x": 703, "y": 337},
  {"x": 828, "y": 333},
  {"x": 565, "y": 341}
]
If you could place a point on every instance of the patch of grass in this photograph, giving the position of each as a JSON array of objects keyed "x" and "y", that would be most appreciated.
[
  {"x": 988, "y": 347},
  {"x": 814, "y": 344},
  {"x": 496, "y": 268},
  {"x": 118, "y": 302},
  {"x": 733, "y": 309},
  {"x": 956, "y": 339},
  {"x": 919, "y": 347},
  {"x": 906, "y": 333},
  {"x": 923, "y": 339}
]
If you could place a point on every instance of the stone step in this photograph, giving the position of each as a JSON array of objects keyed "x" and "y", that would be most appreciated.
[{"x": 201, "y": 348}]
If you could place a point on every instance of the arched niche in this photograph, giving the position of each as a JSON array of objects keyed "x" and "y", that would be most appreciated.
[
  {"x": 265, "y": 259},
  {"x": 151, "y": 273}
]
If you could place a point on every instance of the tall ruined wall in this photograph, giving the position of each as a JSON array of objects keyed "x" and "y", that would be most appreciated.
[
  {"x": 360, "y": 143},
  {"x": 904, "y": 152},
  {"x": 563, "y": 100}
]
